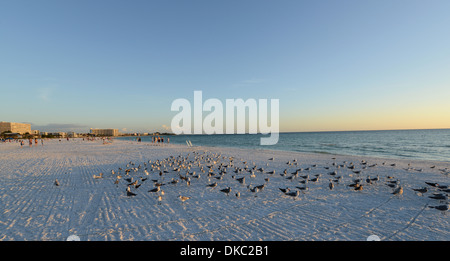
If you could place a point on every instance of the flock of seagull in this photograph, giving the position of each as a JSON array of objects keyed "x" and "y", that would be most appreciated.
[{"x": 214, "y": 167}]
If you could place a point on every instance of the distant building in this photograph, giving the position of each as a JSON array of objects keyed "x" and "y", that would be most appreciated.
[
  {"x": 58, "y": 134},
  {"x": 105, "y": 132},
  {"x": 72, "y": 134},
  {"x": 15, "y": 127}
]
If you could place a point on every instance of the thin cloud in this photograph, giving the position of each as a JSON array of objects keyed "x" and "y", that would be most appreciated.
[
  {"x": 45, "y": 94},
  {"x": 248, "y": 83},
  {"x": 64, "y": 127}
]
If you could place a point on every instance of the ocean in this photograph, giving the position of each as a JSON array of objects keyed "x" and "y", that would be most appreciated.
[{"x": 404, "y": 144}]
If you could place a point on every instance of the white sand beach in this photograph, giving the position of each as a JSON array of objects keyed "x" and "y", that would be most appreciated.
[{"x": 32, "y": 207}]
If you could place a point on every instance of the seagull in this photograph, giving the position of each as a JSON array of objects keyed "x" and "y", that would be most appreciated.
[
  {"x": 183, "y": 199},
  {"x": 284, "y": 190},
  {"x": 155, "y": 189},
  {"x": 254, "y": 189},
  {"x": 99, "y": 176},
  {"x": 433, "y": 184},
  {"x": 56, "y": 182},
  {"x": 174, "y": 181},
  {"x": 133, "y": 183},
  {"x": 241, "y": 180},
  {"x": 314, "y": 179},
  {"x": 421, "y": 190},
  {"x": 439, "y": 196},
  {"x": 212, "y": 185},
  {"x": 440, "y": 207},
  {"x": 302, "y": 188},
  {"x": 377, "y": 178},
  {"x": 261, "y": 187},
  {"x": 226, "y": 190},
  {"x": 293, "y": 193},
  {"x": 129, "y": 193},
  {"x": 398, "y": 191}
]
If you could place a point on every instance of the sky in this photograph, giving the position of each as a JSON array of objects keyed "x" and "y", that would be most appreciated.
[{"x": 334, "y": 65}]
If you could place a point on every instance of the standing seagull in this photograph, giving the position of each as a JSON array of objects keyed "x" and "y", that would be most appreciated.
[
  {"x": 56, "y": 182},
  {"x": 183, "y": 199},
  {"x": 398, "y": 191},
  {"x": 293, "y": 194},
  {"x": 159, "y": 199},
  {"x": 226, "y": 190},
  {"x": 129, "y": 193}
]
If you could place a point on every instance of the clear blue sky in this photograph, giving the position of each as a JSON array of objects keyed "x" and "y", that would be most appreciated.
[{"x": 334, "y": 65}]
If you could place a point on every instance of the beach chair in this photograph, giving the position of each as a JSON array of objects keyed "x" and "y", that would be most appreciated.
[{"x": 189, "y": 144}]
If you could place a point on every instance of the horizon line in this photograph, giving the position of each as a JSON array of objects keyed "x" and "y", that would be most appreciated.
[{"x": 304, "y": 131}]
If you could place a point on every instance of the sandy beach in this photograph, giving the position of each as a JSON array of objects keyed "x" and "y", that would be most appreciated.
[{"x": 95, "y": 208}]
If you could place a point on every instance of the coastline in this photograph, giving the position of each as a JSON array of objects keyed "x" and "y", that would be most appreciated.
[
  {"x": 33, "y": 208},
  {"x": 399, "y": 144},
  {"x": 386, "y": 158}
]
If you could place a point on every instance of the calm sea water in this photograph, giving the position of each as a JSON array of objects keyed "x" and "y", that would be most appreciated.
[{"x": 406, "y": 144}]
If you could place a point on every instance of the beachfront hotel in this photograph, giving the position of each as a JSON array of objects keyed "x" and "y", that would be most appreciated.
[
  {"x": 105, "y": 132},
  {"x": 15, "y": 127}
]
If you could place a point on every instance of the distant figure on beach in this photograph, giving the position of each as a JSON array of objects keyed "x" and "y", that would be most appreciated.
[
  {"x": 30, "y": 142},
  {"x": 42, "y": 142}
]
